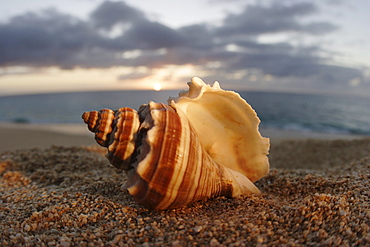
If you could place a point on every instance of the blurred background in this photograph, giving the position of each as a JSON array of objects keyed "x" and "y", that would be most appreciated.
[{"x": 303, "y": 65}]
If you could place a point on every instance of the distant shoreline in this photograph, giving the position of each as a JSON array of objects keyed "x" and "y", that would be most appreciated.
[{"x": 24, "y": 136}]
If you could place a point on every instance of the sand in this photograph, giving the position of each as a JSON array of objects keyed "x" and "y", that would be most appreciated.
[
  {"x": 25, "y": 136},
  {"x": 317, "y": 194}
]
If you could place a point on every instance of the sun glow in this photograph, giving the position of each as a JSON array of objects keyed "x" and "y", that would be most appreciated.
[
  {"x": 157, "y": 86},
  {"x": 19, "y": 80}
]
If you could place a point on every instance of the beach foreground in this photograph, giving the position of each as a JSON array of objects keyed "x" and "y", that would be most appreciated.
[{"x": 317, "y": 193}]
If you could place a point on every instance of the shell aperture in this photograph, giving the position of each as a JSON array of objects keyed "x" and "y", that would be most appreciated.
[{"x": 204, "y": 143}]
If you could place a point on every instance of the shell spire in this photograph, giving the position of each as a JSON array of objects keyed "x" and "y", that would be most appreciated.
[
  {"x": 204, "y": 143},
  {"x": 115, "y": 130}
]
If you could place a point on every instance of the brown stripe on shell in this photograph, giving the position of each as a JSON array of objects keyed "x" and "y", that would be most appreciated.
[
  {"x": 171, "y": 140},
  {"x": 123, "y": 137},
  {"x": 147, "y": 157},
  {"x": 152, "y": 131},
  {"x": 205, "y": 180},
  {"x": 190, "y": 181},
  {"x": 157, "y": 167},
  {"x": 101, "y": 124},
  {"x": 90, "y": 118},
  {"x": 200, "y": 179},
  {"x": 173, "y": 157}
]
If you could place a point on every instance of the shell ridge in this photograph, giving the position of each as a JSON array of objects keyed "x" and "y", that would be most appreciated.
[
  {"x": 162, "y": 170},
  {"x": 90, "y": 118},
  {"x": 104, "y": 126},
  {"x": 179, "y": 171},
  {"x": 178, "y": 158},
  {"x": 195, "y": 185},
  {"x": 143, "y": 156},
  {"x": 123, "y": 138},
  {"x": 149, "y": 127},
  {"x": 167, "y": 152},
  {"x": 187, "y": 190}
]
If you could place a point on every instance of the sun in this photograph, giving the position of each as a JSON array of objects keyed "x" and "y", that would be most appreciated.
[{"x": 157, "y": 86}]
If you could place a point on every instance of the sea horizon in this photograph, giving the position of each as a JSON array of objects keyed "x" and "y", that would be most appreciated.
[{"x": 281, "y": 110}]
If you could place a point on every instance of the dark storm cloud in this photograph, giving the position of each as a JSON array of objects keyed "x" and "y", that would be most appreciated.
[
  {"x": 51, "y": 38},
  {"x": 143, "y": 35},
  {"x": 152, "y": 35},
  {"x": 279, "y": 59},
  {"x": 110, "y": 13},
  {"x": 278, "y": 17},
  {"x": 199, "y": 36}
]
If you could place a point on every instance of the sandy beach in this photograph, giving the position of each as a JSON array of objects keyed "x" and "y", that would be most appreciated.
[
  {"x": 58, "y": 189},
  {"x": 25, "y": 136}
]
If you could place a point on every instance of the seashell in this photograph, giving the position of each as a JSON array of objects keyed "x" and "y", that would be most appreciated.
[{"x": 204, "y": 143}]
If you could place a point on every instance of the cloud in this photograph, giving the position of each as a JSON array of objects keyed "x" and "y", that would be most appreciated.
[
  {"x": 109, "y": 14},
  {"x": 117, "y": 34},
  {"x": 278, "y": 17},
  {"x": 136, "y": 74},
  {"x": 151, "y": 35},
  {"x": 49, "y": 38}
]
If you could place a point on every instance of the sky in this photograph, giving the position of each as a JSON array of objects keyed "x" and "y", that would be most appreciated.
[{"x": 317, "y": 46}]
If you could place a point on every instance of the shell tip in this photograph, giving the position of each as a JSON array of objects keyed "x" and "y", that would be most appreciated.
[
  {"x": 216, "y": 85},
  {"x": 197, "y": 81},
  {"x": 195, "y": 87},
  {"x": 85, "y": 116}
]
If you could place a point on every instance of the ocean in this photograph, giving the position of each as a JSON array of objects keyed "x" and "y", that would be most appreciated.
[{"x": 288, "y": 111}]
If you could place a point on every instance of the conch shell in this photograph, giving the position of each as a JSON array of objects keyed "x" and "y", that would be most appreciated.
[{"x": 204, "y": 143}]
